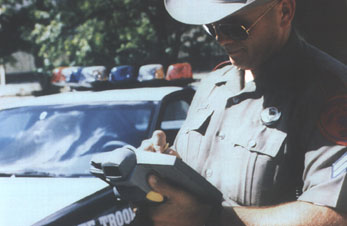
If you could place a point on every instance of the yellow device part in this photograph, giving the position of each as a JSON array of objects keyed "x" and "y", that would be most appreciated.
[{"x": 155, "y": 196}]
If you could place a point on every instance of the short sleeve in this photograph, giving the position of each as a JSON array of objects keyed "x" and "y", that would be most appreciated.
[{"x": 325, "y": 173}]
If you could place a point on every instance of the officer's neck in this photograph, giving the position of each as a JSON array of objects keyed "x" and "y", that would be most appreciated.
[{"x": 251, "y": 74}]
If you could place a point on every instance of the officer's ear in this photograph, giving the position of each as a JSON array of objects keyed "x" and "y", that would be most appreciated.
[{"x": 287, "y": 8}]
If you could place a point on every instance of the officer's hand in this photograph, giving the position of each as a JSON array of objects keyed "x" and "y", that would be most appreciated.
[
  {"x": 180, "y": 207},
  {"x": 157, "y": 143}
]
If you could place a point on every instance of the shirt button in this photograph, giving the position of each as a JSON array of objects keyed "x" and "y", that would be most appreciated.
[
  {"x": 252, "y": 144},
  {"x": 220, "y": 135},
  {"x": 209, "y": 173}
]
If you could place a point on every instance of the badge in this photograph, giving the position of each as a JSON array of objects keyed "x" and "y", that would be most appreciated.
[
  {"x": 340, "y": 166},
  {"x": 270, "y": 116},
  {"x": 333, "y": 120}
]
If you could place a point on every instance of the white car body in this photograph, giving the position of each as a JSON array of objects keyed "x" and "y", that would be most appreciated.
[{"x": 26, "y": 200}]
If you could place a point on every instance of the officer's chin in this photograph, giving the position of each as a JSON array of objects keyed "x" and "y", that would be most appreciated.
[
  {"x": 242, "y": 63},
  {"x": 238, "y": 64}
]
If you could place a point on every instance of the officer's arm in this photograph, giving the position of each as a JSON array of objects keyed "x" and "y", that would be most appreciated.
[
  {"x": 183, "y": 209},
  {"x": 294, "y": 213}
]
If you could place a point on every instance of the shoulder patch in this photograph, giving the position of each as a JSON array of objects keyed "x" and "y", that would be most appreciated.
[{"x": 333, "y": 120}]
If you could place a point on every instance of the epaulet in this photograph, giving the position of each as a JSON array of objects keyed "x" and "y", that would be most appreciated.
[{"x": 222, "y": 64}]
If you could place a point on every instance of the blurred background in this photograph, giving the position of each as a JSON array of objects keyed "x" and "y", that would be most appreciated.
[{"x": 37, "y": 36}]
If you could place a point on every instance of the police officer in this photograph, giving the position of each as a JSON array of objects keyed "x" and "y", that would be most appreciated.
[{"x": 269, "y": 130}]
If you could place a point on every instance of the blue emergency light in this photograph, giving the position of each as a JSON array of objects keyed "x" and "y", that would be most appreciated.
[
  {"x": 122, "y": 73},
  {"x": 76, "y": 75}
]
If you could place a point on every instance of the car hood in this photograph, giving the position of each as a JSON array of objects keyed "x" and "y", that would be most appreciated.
[{"x": 26, "y": 200}]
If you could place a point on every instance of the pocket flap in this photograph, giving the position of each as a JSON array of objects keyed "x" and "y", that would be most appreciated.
[
  {"x": 267, "y": 141},
  {"x": 200, "y": 120}
]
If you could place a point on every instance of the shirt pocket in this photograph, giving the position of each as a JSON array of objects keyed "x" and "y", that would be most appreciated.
[
  {"x": 263, "y": 140},
  {"x": 189, "y": 139},
  {"x": 259, "y": 150}
]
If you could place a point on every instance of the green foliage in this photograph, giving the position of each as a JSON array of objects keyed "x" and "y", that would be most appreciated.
[
  {"x": 13, "y": 18},
  {"x": 101, "y": 32}
]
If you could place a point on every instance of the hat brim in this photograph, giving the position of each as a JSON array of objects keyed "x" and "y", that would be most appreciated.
[{"x": 198, "y": 12}]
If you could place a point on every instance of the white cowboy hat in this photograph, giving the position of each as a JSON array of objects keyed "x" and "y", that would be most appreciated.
[{"x": 200, "y": 12}]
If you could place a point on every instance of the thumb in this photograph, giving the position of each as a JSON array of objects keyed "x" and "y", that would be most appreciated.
[
  {"x": 159, "y": 141},
  {"x": 160, "y": 186}
]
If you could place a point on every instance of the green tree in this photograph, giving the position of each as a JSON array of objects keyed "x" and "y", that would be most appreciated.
[
  {"x": 135, "y": 32},
  {"x": 13, "y": 19},
  {"x": 111, "y": 32}
]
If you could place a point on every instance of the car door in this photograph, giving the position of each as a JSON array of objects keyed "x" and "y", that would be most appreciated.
[{"x": 173, "y": 112}]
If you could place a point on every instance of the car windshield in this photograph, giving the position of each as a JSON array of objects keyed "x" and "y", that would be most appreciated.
[{"x": 59, "y": 140}]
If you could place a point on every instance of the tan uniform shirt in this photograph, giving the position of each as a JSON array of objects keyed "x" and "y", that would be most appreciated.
[{"x": 260, "y": 143}]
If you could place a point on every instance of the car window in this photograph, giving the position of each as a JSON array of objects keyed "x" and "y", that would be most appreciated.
[
  {"x": 174, "y": 114},
  {"x": 31, "y": 137}
]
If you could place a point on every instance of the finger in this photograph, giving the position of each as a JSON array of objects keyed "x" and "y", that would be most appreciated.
[
  {"x": 147, "y": 145},
  {"x": 160, "y": 186},
  {"x": 170, "y": 151},
  {"x": 133, "y": 207},
  {"x": 159, "y": 141}
]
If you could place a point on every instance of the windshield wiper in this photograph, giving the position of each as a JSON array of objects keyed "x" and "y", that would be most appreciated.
[
  {"x": 42, "y": 174},
  {"x": 26, "y": 173},
  {"x": 34, "y": 173},
  {"x": 6, "y": 174}
]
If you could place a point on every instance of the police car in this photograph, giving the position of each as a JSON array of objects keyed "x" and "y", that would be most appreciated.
[{"x": 47, "y": 143}]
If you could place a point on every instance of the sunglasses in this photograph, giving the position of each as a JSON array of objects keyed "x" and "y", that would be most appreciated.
[{"x": 234, "y": 30}]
